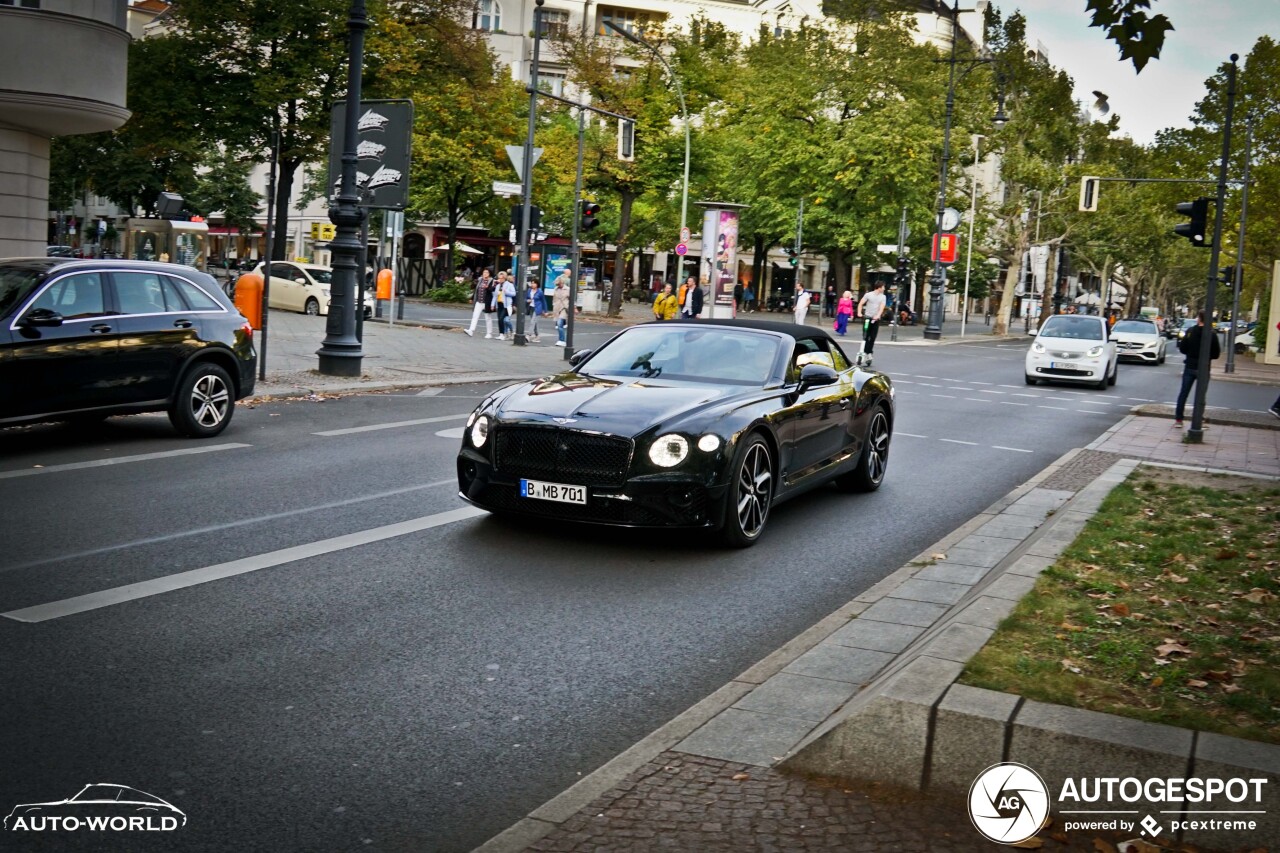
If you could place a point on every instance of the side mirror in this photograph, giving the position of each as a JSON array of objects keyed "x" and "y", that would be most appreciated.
[
  {"x": 300, "y": 280},
  {"x": 578, "y": 357},
  {"x": 41, "y": 317},
  {"x": 815, "y": 376}
]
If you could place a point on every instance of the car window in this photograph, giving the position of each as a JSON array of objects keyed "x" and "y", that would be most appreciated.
[
  {"x": 16, "y": 284},
  {"x": 816, "y": 351},
  {"x": 139, "y": 292},
  {"x": 282, "y": 271},
  {"x": 713, "y": 354},
  {"x": 321, "y": 275},
  {"x": 97, "y": 792},
  {"x": 1137, "y": 327},
  {"x": 1079, "y": 328},
  {"x": 196, "y": 298},
  {"x": 75, "y": 297}
]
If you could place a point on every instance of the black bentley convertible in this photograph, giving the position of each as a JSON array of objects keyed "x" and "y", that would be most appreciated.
[{"x": 682, "y": 424}]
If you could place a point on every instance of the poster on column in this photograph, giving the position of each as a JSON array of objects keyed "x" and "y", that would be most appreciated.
[{"x": 720, "y": 236}]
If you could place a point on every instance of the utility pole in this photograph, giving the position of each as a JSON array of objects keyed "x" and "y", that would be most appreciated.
[
  {"x": 1230, "y": 366},
  {"x": 1195, "y": 435},
  {"x": 522, "y": 275}
]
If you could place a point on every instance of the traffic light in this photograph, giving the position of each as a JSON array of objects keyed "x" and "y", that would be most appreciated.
[
  {"x": 590, "y": 215},
  {"x": 1227, "y": 275},
  {"x": 1193, "y": 230},
  {"x": 903, "y": 273},
  {"x": 791, "y": 257},
  {"x": 626, "y": 140}
]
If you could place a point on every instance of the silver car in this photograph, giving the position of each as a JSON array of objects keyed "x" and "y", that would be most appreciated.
[{"x": 1139, "y": 340}]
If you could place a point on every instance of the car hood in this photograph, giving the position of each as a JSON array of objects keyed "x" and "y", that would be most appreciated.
[
  {"x": 624, "y": 406},
  {"x": 1137, "y": 337},
  {"x": 1068, "y": 344}
]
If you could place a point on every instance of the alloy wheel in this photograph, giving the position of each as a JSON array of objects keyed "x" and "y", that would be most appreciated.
[
  {"x": 877, "y": 450},
  {"x": 210, "y": 400},
  {"x": 755, "y": 490}
]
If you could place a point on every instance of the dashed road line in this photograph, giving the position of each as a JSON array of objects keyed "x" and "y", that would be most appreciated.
[
  {"x": 1011, "y": 403},
  {"x": 182, "y": 580},
  {"x": 120, "y": 460},
  {"x": 1014, "y": 449},
  {"x": 958, "y": 441},
  {"x": 980, "y": 399},
  {"x": 395, "y": 425},
  {"x": 944, "y": 396}
]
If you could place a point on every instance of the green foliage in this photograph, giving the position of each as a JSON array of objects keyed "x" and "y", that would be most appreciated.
[
  {"x": 1139, "y": 36},
  {"x": 224, "y": 186},
  {"x": 453, "y": 291}
]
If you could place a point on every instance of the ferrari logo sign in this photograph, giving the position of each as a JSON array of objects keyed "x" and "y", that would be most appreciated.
[{"x": 945, "y": 248}]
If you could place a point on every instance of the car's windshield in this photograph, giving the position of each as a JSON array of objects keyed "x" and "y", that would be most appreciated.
[
  {"x": 98, "y": 792},
  {"x": 16, "y": 284},
  {"x": 710, "y": 354},
  {"x": 1080, "y": 328},
  {"x": 1137, "y": 327}
]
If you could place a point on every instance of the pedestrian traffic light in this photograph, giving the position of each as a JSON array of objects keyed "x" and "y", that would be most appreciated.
[
  {"x": 1193, "y": 230},
  {"x": 590, "y": 214},
  {"x": 792, "y": 257},
  {"x": 903, "y": 271}
]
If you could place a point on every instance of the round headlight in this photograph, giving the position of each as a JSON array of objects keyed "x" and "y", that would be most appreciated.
[
  {"x": 709, "y": 443},
  {"x": 1037, "y": 347},
  {"x": 669, "y": 450},
  {"x": 1094, "y": 352},
  {"x": 480, "y": 431}
]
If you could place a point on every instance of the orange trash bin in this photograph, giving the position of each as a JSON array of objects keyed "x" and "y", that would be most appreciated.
[
  {"x": 384, "y": 284},
  {"x": 249, "y": 298}
]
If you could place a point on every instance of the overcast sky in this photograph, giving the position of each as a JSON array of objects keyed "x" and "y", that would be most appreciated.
[{"x": 1205, "y": 35}]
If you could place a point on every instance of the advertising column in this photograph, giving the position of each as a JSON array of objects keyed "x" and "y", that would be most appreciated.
[{"x": 719, "y": 272}]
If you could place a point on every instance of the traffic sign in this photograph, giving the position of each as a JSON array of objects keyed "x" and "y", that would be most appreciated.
[
  {"x": 507, "y": 188},
  {"x": 946, "y": 249},
  {"x": 685, "y": 235},
  {"x": 682, "y": 249},
  {"x": 516, "y": 154}
]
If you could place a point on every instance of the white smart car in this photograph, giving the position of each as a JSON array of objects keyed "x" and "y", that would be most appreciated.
[{"x": 1073, "y": 348}]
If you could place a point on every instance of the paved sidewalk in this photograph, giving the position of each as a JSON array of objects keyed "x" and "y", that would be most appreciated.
[{"x": 714, "y": 778}]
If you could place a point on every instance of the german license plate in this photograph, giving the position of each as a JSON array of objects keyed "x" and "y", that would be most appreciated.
[
  {"x": 1065, "y": 365},
  {"x": 553, "y": 492}
]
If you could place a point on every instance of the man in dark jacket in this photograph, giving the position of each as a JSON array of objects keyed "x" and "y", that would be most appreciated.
[
  {"x": 1190, "y": 347},
  {"x": 692, "y": 305}
]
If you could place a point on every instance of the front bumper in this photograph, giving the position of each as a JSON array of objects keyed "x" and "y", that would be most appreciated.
[
  {"x": 1066, "y": 367},
  {"x": 1138, "y": 352},
  {"x": 656, "y": 500}
]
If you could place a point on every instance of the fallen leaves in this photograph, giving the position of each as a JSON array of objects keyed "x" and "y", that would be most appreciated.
[
  {"x": 1070, "y": 666},
  {"x": 1257, "y": 595},
  {"x": 1172, "y": 647}
]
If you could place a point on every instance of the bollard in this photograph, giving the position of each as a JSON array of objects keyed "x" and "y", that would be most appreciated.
[
  {"x": 400, "y": 304},
  {"x": 249, "y": 298}
]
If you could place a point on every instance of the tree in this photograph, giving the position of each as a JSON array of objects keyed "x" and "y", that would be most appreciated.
[
  {"x": 264, "y": 67},
  {"x": 466, "y": 109},
  {"x": 1139, "y": 36}
]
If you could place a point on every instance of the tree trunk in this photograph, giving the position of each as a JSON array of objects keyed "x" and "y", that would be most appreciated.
[
  {"x": 619, "y": 271},
  {"x": 284, "y": 191},
  {"x": 1050, "y": 281},
  {"x": 1011, "y": 284},
  {"x": 840, "y": 271}
]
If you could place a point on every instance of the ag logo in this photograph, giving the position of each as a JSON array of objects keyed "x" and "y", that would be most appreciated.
[{"x": 1008, "y": 803}]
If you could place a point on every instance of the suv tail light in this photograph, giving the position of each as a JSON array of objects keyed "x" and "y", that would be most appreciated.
[{"x": 247, "y": 329}]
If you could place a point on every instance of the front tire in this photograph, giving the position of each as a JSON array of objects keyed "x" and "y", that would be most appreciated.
[
  {"x": 312, "y": 307},
  {"x": 1031, "y": 380},
  {"x": 874, "y": 459},
  {"x": 1115, "y": 373},
  {"x": 204, "y": 403},
  {"x": 750, "y": 493}
]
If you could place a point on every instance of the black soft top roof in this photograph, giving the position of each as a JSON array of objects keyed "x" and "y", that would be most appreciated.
[{"x": 792, "y": 329}]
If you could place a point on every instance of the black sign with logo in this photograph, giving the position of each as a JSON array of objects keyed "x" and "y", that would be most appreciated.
[{"x": 384, "y": 134}]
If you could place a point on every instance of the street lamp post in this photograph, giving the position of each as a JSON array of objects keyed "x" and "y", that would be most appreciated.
[
  {"x": 933, "y": 330},
  {"x": 968, "y": 253},
  {"x": 684, "y": 117},
  {"x": 340, "y": 353}
]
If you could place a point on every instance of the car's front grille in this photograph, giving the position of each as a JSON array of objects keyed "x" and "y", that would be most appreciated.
[{"x": 562, "y": 455}]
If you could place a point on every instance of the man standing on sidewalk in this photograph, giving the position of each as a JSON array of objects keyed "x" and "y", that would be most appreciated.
[
  {"x": 691, "y": 307},
  {"x": 871, "y": 308},
  {"x": 802, "y": 304},
  {"x": 1190, "y": 347}
]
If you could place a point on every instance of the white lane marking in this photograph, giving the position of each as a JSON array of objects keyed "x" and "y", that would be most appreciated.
[
  {"x": 428, "y": 392},
  {"x": 1059, "y": 408},
  {"x": 970, "y": 390},
  {"x": 182, "y": 580},
  {"x": 229, "y": 525},
  {"x": 1008, "y": 386},
  {"x": 1140, "y": 399},
  {"x": 958, "y": 441},
  {"x": 944, "y": 396},
  {"x": 1092, "y": 412},
  {"x": 1011, "y": 403},
  {"x": 911, "y": 435},
  {"x": 922, "y": 376},
  {"x": 985, "y": 391},
  {"x": 976, "y": 382},
  {"x": 452, "y": 432},
  {"x": 120, "y": 460},
  {"x": 928, "y": 385},
  {"x": 903, "y": 382},
  {"x": 395, "y": 425},
  {"x": 980, "y": 399},
  {"x": 1014, "y": 449},
  {"x": 1027, "y": 395}
]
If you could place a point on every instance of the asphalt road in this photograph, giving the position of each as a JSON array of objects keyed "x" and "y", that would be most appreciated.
[{"x": 422, "y": 690}]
